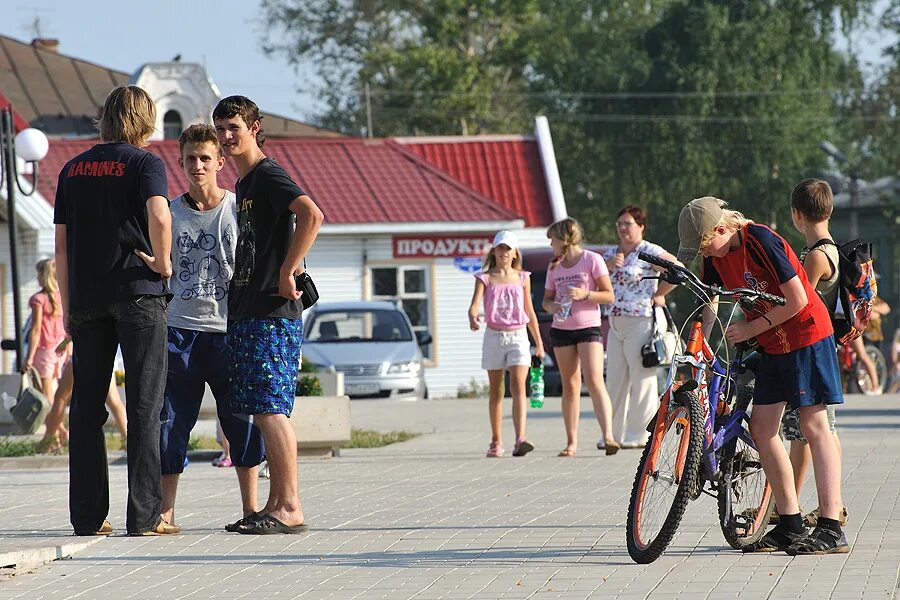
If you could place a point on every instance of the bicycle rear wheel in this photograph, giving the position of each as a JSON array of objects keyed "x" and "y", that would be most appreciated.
[
  {"x": 665, "y": 480},
  {"x": 745, "y": 497}
]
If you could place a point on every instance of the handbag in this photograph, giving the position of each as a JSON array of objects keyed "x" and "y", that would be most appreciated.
[
  {"x": 663, "y": 344},
  {"x": 306, "y": 285},
  {"x": 32, "y": 406}
]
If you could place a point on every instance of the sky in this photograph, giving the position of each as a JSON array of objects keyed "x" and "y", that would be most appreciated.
[
  {"x": 223, "y": 35},
  {"x": 124, "y": 35}
]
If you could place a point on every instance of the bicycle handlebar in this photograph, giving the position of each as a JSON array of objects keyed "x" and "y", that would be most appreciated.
[{"x": 678, "y": 275}]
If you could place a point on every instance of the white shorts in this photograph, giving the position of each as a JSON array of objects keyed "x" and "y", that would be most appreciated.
[{"x": 503, "y": 349}]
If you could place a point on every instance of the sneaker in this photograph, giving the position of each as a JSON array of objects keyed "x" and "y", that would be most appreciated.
[
  {"x": 223, "y": 460},
  {"x": 495, "y": 451},
  {"x": 264, "y": 469},
  {"x": 812, "y": 519}
]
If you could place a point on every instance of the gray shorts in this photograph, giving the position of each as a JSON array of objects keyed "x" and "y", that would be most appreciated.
[{"x": 790, "y": 423}]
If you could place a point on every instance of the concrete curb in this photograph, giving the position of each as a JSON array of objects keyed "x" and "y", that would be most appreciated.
[
  {"x": 22, "y": 560},
  {"x": 61, "y": 461}
]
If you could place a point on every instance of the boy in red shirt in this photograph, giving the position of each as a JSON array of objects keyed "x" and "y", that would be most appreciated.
[{"x": 798, "y": 365}]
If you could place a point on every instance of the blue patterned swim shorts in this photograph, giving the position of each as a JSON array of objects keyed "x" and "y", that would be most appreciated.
[{"x": 265, "y": 361}]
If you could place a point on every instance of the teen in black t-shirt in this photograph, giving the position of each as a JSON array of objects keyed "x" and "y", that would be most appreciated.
[
  {"x": 266, "y": 226},
  {"x": 113, "y": 242},
  {"x": 278, "y": 224}
]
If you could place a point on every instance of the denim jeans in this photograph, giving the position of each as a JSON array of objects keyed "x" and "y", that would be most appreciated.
[{"x": 139, "y": 326}]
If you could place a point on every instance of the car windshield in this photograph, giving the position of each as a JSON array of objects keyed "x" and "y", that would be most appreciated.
[{"x": 364, "y": 325}]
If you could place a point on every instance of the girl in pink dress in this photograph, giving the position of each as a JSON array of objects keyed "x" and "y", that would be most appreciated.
[{"x": 47, "y": 331}]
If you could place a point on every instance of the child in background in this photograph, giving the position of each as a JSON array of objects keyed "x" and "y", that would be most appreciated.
[
  {"x": 508, "y": 313},
  {"x": 577, "y": 284},
  {"x": 47, "y": 331},
  {"x": 56, "y": 435},
  {"x": 811, "y": 205}
]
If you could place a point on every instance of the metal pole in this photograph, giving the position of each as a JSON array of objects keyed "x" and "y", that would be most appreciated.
[
  {"x": 369, "y": 111},
  {"x": 854, "y": 205},
  {"x": 7, "y": 142}
]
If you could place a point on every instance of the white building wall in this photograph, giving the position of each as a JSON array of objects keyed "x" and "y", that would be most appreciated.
[
  {"x": 459, "y": 349},
  {"x": 336, "y": 265}
]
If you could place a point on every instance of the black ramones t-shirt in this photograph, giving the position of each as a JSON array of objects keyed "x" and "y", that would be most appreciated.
[
  {"x": 101, "y": 198},
  {"x": 266, "y": 227}
]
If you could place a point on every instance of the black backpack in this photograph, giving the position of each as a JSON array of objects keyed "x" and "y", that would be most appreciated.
[{"x": 857, "y": 289}]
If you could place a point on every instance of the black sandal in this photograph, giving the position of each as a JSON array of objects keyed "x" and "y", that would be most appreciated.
[
  {"x": 268, "y": 525},
  {"x": 235, "y": 527},
  {"x": 776, "y": 540},
  {"x": 820, "y": 541}
]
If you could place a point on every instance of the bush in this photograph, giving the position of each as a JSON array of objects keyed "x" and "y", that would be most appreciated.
[
  {"x": 366, "y": 438},
  {"x": 10, "y": 447},
  {"x": 474, "y": 390},
  {"x": 309, "y": 385}
]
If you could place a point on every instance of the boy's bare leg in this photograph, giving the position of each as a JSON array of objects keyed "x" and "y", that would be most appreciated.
[
  {"x": 169, "y": 489},
  {"x": 801, "y": 460},
  {"x": 248, "y": 478},
  {"x": 281, "y": 453},
  {"x": 825, "y": 458},
  {"x": 765, "y": 423}
]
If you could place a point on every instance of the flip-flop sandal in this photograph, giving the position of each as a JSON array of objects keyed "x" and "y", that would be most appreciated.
[
  {"x": 233, "y": 527},
  {"x": 820, "y": 541},
  {"x": 523, "y": 448},
  {"x": 567, "y": 453},
  {"x": 612, "y": 448},
  {"x": 775, "y": 540},
  {"x": 269, "y": 525}
]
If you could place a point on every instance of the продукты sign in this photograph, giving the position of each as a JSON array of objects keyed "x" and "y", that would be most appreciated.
[{"x": 441, "y": 246}]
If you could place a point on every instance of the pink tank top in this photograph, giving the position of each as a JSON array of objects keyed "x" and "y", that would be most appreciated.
[{"x": 504, "y": 303}]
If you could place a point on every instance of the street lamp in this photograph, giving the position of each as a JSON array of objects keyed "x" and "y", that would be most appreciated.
[
  {"x": 832, "y": 151},
  {"x": 31, "y": 145}
]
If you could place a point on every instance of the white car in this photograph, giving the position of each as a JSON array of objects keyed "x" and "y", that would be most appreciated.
[{"x": 372, "y": 343}]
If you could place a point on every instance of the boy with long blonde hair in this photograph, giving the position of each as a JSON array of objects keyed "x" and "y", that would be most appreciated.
[
  {"x": 113, "y": 239},
  {"x": 798, "y": 364}
]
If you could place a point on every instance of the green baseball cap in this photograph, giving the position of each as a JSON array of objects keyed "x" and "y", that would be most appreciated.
[{"x": 697, "y": 219}]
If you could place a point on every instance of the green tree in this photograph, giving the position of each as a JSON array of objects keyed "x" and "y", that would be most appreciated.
[
  {"x": 653, "y": 102},
  {"x": 715, "y": 97},
  {"x": 431, "y": 66}
]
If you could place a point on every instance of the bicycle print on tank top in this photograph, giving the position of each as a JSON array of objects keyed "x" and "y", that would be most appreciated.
[{"x": 203, "y": 264}]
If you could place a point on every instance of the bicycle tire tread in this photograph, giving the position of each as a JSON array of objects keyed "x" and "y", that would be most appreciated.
[{"x": 683, "y": 495}]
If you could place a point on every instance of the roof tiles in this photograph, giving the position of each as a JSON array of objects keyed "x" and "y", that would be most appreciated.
[{"x": 352, "y": 180}]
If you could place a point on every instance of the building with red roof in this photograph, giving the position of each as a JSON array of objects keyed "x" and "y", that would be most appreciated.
[{"x": 405, "y": 218}]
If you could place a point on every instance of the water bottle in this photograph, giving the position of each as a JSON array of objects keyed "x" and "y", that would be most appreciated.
[{"x": 536, "y": 382}]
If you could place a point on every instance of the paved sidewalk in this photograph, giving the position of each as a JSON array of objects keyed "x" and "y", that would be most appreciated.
[{"x": 432, "y": 518}]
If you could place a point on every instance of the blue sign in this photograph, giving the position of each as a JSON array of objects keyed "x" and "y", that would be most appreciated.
[{"x": 467, "y": 264}]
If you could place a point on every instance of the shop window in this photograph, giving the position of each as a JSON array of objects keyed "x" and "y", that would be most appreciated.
[
  {"x": 172, "y": 125},
  {"x": 408, "y": 285}
]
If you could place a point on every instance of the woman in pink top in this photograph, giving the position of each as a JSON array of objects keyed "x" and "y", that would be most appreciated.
[
  {"x": 577, "y": 284},
  {"x": 47, "y": 331},
  {"x": 509, "y": 316}
]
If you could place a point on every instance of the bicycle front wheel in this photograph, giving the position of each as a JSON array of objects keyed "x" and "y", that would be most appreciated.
[
  {"x": 665, "y": 480},
  {"x": 745, "y": 497}
]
